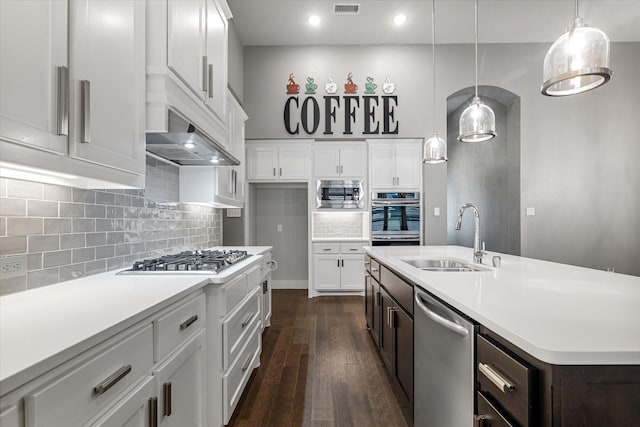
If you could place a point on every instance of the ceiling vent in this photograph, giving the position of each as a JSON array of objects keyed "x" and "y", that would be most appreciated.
[{"x": 346, "y": 8}]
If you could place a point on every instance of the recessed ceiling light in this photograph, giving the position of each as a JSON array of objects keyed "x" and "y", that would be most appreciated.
[
  {"x": 399, "y": 19},
  {"x": 214, "y": 159},
  {"x": 314, "y": 20}
]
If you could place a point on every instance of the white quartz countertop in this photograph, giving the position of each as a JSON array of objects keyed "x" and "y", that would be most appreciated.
[
  {"x": 558, "y": 313},
  {"x": 43, "y": 327}
]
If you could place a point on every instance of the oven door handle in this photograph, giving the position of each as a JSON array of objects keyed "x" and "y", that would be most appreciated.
[
  {"x": 395, "y": 203},
  {"x": 396, "y": 238}
]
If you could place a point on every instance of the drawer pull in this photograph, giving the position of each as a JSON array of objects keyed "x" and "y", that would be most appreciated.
[
  {"x": 153, "y": 412},
  {"x": 247, "y": 363},
  {"x": 111, "y": 380},
  {"x": 247, "y": 320},
  {"x": 190, "y": 321},
  {"x": 326, "y": 249},
  {"x": 353, "y": 249},
  {"x": 504, "y": 385},
  {"x": 375, "y": 270},
  {"x": 166, "y": 388},
  {"x": 479, "y": 420}
]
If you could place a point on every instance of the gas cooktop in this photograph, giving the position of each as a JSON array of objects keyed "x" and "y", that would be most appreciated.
[{"x": 189, "y": 262}]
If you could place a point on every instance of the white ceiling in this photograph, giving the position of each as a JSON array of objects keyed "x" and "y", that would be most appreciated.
[{"x": 284, "y": 22}]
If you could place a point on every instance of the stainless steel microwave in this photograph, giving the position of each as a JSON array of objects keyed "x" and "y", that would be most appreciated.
[{"x": 340, "y": 194}]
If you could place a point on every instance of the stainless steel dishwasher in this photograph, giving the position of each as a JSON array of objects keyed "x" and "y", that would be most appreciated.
[{"x": 443, "y": 365}]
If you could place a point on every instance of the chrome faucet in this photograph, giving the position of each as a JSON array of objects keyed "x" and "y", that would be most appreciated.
[{"x": 477, "y": 251}]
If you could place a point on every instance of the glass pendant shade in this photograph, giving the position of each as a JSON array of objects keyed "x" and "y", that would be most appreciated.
[
  {"x": 477, "y": 122},
  {"x": 435, "y": 150},
  {"x": 578, "y": 61}
]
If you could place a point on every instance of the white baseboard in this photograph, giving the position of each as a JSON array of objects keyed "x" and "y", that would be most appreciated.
[{"x": 289, "y": 284}]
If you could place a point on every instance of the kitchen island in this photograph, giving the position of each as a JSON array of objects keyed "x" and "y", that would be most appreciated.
[{"x": 565, "y": 338}]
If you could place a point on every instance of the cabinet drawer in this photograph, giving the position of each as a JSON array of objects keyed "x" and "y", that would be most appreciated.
[
  {"x": 352, "y": 248},
  {"x": 253, "y": 277},
  {"x": 506, "y": 380},
  {"x": 375, "y": 269},
  {"x": 326, "y": 248},
  {"x": 237, "y": 326},
  {"x": 92, "y": 383},
  {"x": 177, "y": 325},
  {"x": 488, "y": 415},
  {"x": 400, "y": 290},
  {"x": 232, "y": 293},
  {"x": 236, "y": 379}
]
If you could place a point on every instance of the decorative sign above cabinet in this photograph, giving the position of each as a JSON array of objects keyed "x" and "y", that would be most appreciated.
[{"x": 307, "y": 115}]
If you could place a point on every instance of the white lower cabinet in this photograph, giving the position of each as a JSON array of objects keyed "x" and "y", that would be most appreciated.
[
  {"x": 10, "y": 417},
  {"x": 139, "y": 408},
  {"x": 89, "y": 385},
  {"x": 338, "y": 266},
  {"x": 182, "y": 383}
]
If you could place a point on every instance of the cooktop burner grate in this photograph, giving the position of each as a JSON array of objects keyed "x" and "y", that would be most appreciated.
[{"x": 204, "y": 260}]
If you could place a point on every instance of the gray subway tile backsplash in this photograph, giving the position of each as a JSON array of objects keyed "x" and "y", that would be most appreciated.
[{"x": 68, "y": 233}]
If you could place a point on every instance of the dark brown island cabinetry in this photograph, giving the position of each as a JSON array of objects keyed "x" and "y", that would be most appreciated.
[
  {"x": 389, "y": 316},
  {"x": 520, "y": 390}
]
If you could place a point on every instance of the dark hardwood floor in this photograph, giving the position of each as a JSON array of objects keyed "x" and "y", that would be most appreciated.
[{"x": 319, "y": 367}]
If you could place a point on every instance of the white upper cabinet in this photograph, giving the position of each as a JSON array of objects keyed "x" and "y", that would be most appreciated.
[
  {"x": 346, "y": 160},
  {"x": 278, "y": 161},
  {"x": 107, "y": 46},
  {"x": 33, "y": 49},
  {"x": 72, "y": 87},
  {"x": 187, "y": 64},
  {"x": 396, "y": 165}
]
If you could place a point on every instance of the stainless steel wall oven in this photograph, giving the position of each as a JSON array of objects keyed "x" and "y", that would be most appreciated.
[{"x": 395, "y": 219}]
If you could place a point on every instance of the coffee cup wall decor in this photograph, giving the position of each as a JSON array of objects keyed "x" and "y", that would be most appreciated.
[
  {"x": 350, "y": 86},
  {"x": 370, "y": 86},
  {"x": 310, "y": 86},
  {"x": 387, "y": 86},
  {"x": 331, "y": 87},
  {"x": 292, "y": 86}
]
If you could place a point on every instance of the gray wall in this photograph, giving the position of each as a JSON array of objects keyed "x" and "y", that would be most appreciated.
[
  {"x": 287, "y": 207},
  {"x": 236, "y": 63},
  {"x": 578, "y": 154},
  {"x": 486, "y": 174},
  {"x": 67, "y": 233}
]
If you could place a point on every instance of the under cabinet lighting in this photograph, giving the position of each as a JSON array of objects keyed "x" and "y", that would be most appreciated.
[{"x": 29, "y": 173}]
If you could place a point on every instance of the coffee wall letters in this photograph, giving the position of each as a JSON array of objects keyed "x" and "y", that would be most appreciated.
[{"x": 307, "y": 114}]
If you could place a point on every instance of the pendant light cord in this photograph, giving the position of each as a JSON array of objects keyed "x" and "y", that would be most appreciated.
[
  {"x": 433, "y": 57},
  {"x": 476, "y": 10}
]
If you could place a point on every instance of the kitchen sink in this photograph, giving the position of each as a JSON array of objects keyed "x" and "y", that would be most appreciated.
[{"x": 444, "y": 265}]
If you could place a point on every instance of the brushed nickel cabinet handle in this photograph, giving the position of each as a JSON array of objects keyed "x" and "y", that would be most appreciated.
[
  {"x": 247, "y": 363},
  {"x": 85, "y": 111},
  {"x": 247, "y": 320},
  {"x": 265, "y": 286},
  {"x": 190, "y": 321},
  {"x": 326, "y": 249},
  {"x": 280, "y": 171},
  {"x": 343, "y": 263},
  {"x": 210, "y": 81},
  {"x": 338, "y": 261},
  {"x": 166, "y": 389},
  {"x": 153, "y": 412},
  {"x": 397, "y": 180},
  {"x": 274, "y": 171},
  {"x": 375, "y": 270},
  {"x": 62, "y": 113},
  {"x": 337, "y": 169},
  {"x": 204, "y": 74},
  {"x": 341, "y": 169},
  {"x": 497, "y": 380},
  {"x": 111, "y": 380},
  {"x": 479, "y": 420},
  {"x": 376, "y": 300}
]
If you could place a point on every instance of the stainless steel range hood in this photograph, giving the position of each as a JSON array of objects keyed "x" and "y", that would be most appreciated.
[{"x": 173, "y": 145}]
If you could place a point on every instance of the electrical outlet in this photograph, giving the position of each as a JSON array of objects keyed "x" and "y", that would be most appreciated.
[{"x": 15, "y": 266}]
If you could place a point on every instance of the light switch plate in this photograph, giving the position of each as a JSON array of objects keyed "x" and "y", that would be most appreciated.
[
  {"x": 233, "y": 213},
  {"x": 436, "y": 211},
  {"x": 531, "y": 211}
]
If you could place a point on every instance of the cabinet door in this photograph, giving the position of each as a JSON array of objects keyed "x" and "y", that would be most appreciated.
[
  {"x": 293, "y": 163},
  {"x": 353, "y": 161},
  {"x": 33, "y": 42},
  {"x": 266, "y": 301},
  {"x": 10, "y": 417},
  {"x": 107, "y": 81},
  {"x": 262, "y": 163},
  {"x": 133, "y": 410},
  {"x": 185, "y": 43},
  {"x": 382, "y": 166},
  {"x": 351, "y": 274},
  {"x": 224, "y": 181},
  {"x": 326, "y": 272},
  {"x": 403, "y": 325},
  {"x": 408, "y": 166},
  {"x": 181, "y": 380},
  {"x": 376, "y": 315},
  {"x": 216, "y": 28},
  {"x": 368, "y": 301},
  {"x": 326, "y": 162},
  {"x": 387, "y": 345}
]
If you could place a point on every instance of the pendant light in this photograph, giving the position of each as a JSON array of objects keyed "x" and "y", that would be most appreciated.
[
  {"x": 435, "y": 149},
  {"x": 578, "y": 61},
  {"x": 477, "y": 122}
]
